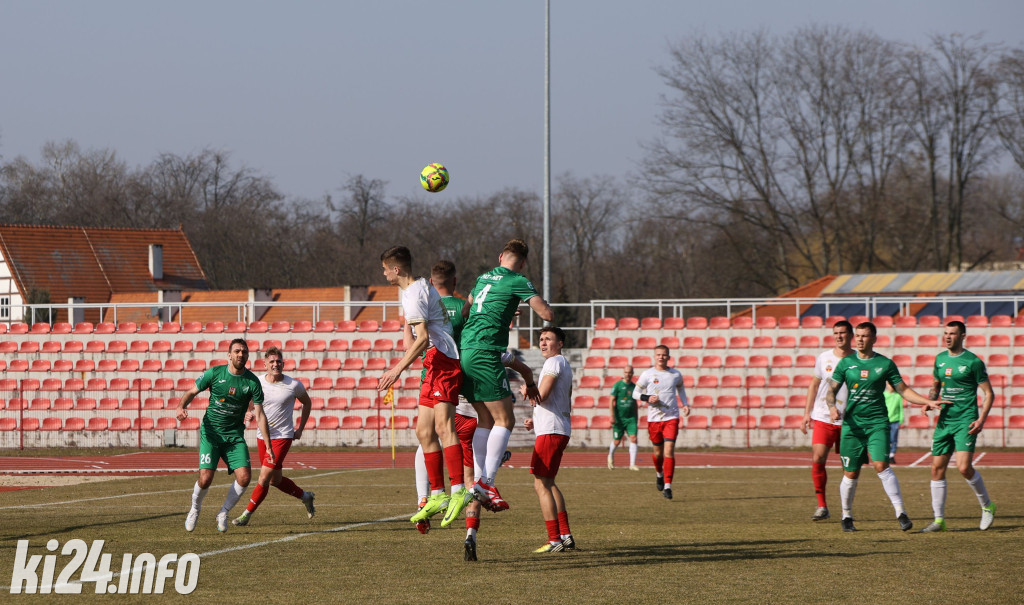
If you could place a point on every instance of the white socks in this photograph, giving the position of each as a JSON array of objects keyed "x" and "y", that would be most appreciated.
[
  {"x": 235, "y": 492},
  {"x": 892, "y": 489},
  {"x": 847, "y": 489},
  {"x": 198, "y": 495},
  {"x": 497, "y": 443},
  {"x": 939, "y": 498},
  {"x": 632, "y": 454},
  {"x": 611, "y": 449},
  {"x": 480, "y": 439},
  {"x": 978, "y": 486},
  {"x": 422, "y": 481}
]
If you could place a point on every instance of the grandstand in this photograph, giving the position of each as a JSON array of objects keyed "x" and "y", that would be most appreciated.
[{"x": 118, "y": 384}]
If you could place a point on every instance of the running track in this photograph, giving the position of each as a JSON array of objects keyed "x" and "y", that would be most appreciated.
[{"x": 186, "y": 462}]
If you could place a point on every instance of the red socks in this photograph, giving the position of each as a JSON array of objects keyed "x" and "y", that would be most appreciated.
[
  {"x": 435, "y": 469},
  {"x": 670, "y": 467},
  {"x": 288, "y": 486},
  {"x": 563, "y": 523},
  {"x": 657, "y": 462},
  {"x": 258, "y": 494},
  {"x": 820, "y": 478},
  {"x": 552, "y": 526},
  {"x": 453, "y": 460}
]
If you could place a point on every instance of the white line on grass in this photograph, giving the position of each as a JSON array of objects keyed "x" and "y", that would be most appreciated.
[
  {"x": 222, "y": 551},
  {"x": 170, "y": 491},
  {"x": 925, "y": 457}
]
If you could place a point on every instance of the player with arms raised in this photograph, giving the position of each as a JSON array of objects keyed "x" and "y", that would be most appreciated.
[
  {"x": 489, "y": 311},
  {"x": 661, "y": 389},
  {"x": 439, "y": 393}
]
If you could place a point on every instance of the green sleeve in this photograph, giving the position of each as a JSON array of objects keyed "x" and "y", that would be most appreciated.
[
  {"x": 205, "y": 380},
  {"x": 893, "y": 374},
  {"x": 980, "y": 373}
]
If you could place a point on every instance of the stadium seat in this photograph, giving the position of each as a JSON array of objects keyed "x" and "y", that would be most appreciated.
[
  {"x": 85, "y": 404},
  {"x": 83, "y": 327},
  {"x": 999, "y": 340},
  {"x": 757, "y": 361},
  {"x": 643, "y": 361},
  {"x": 1017, "y": 400},
  {"x": 39, "y": 404},
  {"x": 322, "y": 383},
  {"x": 742, "y": 323},
  {"x": 856, "y": 320},
  {"x": 214, "y": 327},
  {"x": 646, "y": 342},
  {"x": 903, "y": 341},
  {"x": 128, "y": 365},
  {"x": 345, "y": 326},
  {"x": 407, "y": 403},
  {"x": 347, "y": 383},
  {"x": 976, "y": 321},
  {"x": 778, "y": 381},
  {"x": 368, "y": 325},
  {"x": 812, "y": 322},
  {"x": 192, "y": 327},
  {"x": 882, "y": 321},
  {"x": 40, "y": 365},
  {"x": 18, "y": 365},
  {"x": 359, "y": 403},
  {"x": 351, "y": 422},
  {"x": 337, "y": 344},
  {"x": 715, "y": 342},
  {"x": 1000, "y": 321},
  {"x": 727, "y": 402},
  {"x": 629, "y": 323},
  {"x": 785, "y": 361},
  {"x": 693, "y": 342},
  {"x": 766, "y": 323},
  {"x": 1015, "y": 422},
  {"x": 702, "y": 401},
  {"x": 590, "y": 382},
  {"x": 734, "y": 361},
  {"x": 711, "y": 362},
  {"x": 672, "y": 342},
  {"x": 383, "y": 345},
  {"x": 974, "y": 341},
  {"x": 750, "y": 401},
  {"x": 707, "y": 381},
  {"x": 170, "y": 327},
  {"x": 928, "y": 341},
  {"x": 739, "y": 342},
  {"x": 604, "y": 323},
  {"x": 998, "y": 360},
  {"x": 793, "y": 421},
  {"x": 929, "y": 321},
  {"x": 205, "y": 346},
  {"x": 719, "y": 421},
  {"x": 328, "y": 423},
  {"x": 924, "y": 361},
  {"x": 195, "y": 365},
  {"x": 235, "y": 327},
  {"x": 376, "y": 364},
  {"x": 360, "y": 344},
  {"x": 903, "y": 361},
  {"x": 752, "y": 381},
  {"x": 797, "y": 401},
  {"x": 74, "y": 424},
  {"x": 622, "y": 342},
  {"x": 673, "y": 323},
  {"x": 994, "y": 422},
  {"x": 810, "y": 341},
  {"x": 302, "y": 326},
  {"x": 745, "y": 421},
  {"x": 578, "y": 422},
  {"x": 650, "y": 323},
  {"x": 73, "y": 346},
  {"x": 718, "y": 323},
  {"x": 153, "y": 403},
  {"x": 50, "y": 346},
  {"x": 189, "y": 424},
  {"x": 604, "y": 402},
  {"x": 336, "y": 403},
  {"x": 832, "y": 320},
  {"x": 775, "y": 401},
  {"x": 28, "y": 347},
  {"x": 770, "y": 421},
  {"x": 96, "y": 423},
  {"x": 697, "y": 421},
  {"x": 805, "y": 361},
  {"x": 762, "y": 342},
  {"x": 687, "y": 361},
  {"x": 918, "y": 421},
  {"x": 802, "y": 381},
  {"x": 292, "y": 345},
  {"x": 367, "y": 383},
  {"x": 601, "y": 422},
  {"x": 104, "y": 327},
  {"x": 8, "y": 346},
  {"x": 696, "y": 323},
  {"x": 789, "y": 322},
  {"x": 617, "y": 361},
  {"x": 308, "y": 364},
  {"x": 144, "y": 423},
  {"x": 166, "y": 422}
]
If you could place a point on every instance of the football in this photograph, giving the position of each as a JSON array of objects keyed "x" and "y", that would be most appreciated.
[{"x": 434, "y": 178}]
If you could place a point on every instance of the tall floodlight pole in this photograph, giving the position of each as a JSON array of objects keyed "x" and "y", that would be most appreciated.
[{"x": 547, "y": 152}]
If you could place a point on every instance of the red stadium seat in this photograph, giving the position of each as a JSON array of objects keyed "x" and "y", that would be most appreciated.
[
  {"x": 360, "y": 344},
  {"x": 918, "y": 421},
  {"x": 742, "y": 323},
  {"x": 629, "y": 323},
  {"x": 797, "y": 401},
  {"x": 733, "y": 381},
  {"x": 328, "y": 423},
  {"x": 711, "y": 362},
  {"x": 775, "y": 401},
  {"x": 617, "y": 361},
  {"x": 258, "y": 327},
  {"x": 882, "y": 321},
  {"x": 336, "y": 403},
  {"x": 687, "y": 361},
  {"x": 727, "y": 401},
  {"x": 793, "y": 421},
  {"x": 214, "y": 327},
  {"x": 302, "y": 326},
  {"x": 929, "y": 321},
  {"x": 735, "y": 361},
  {"x": 646, "y": 342},
  {"x": 85, "y": 404},
  {"x": 693, "y": 342},
  {"x": 351, "y": 422},
  {"x": 762, "y": 342},
  {"x": 368, "y": 325},
  {"x": 720, "y": 421},
  {"x": 715, "y": 342},
  {"x": 74, "y": 424},
  {"x": 601, "y": 422},
  {"x": 345, "y": 326},
  {"x": 810, "y": 341},
  {"x": 802, "y": 381},
  {"x": 812, "y": 322},
  {"x": 348, "y": 383},
  {"x": 650, "y": 323},
  {"x": 696, "y": 323},
  {"x": 359, "y": 403},
  {"x": 622, "y": 342},
  {"x": 96, "y": 424},
  {"x": 702, "y": 401},
  {"x": 766, "y": 323},
  {"x": 778, "y": 381},
  {"x": 697, "y": 422},
  {"x": 770, "y": 421},
  {"x": 707, "y": 381},
  {"x": 673, "y": 323},
  {"x": 235, "y": 327},
  {"x": 170, "y": 327},
  {"x": 755, "y": 381},
  {"x": 785, "y": 361},
  {"x": 604, "y": 323}
]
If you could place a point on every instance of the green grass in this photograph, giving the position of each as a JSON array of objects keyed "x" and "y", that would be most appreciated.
[{"x": 730, "y": 536}]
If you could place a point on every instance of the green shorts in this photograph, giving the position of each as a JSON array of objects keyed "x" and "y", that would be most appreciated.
[
  {"x": 859, "y": 444},
  {"x": 953, "y": 437},
  {"x": 623, "y": 426},
  {"x": 483, "y": 375},
  {"x": 214, "y": 446}
]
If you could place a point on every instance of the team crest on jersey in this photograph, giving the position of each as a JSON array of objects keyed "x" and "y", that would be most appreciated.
[
  {"x": 231, "y": 390},
  {"x": 962, "y": 369},
  {"x": 949, "y": 371},
  {"x": 878, "y": 370},
  {"x": 655, "y": 381},
  {"x": 828, "y": 368},
  {"x": 863, "y": 373}
]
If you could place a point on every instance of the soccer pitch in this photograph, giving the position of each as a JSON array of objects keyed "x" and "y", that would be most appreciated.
[{"x": 729, "y": 536}]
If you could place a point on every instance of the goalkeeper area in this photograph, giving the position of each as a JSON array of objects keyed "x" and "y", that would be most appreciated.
[{"x": 737, "y": 531}]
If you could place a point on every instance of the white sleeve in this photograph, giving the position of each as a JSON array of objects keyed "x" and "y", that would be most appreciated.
[
  {"x": 681, "y": 391},
  {"x": 551, "y": 368},
  {"x": 819, "y": 367},
  {"x": 416, "y": 304},
  {"x": 641, "y": 386}
]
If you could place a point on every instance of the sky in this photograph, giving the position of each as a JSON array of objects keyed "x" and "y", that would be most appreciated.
[{"x": 310, "y": 93}]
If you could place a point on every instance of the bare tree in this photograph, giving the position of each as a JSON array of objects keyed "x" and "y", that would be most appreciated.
[{"x": 588, "y": 215}]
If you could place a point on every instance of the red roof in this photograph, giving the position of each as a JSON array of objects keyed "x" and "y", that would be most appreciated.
[{"x": 94, "y": 263}]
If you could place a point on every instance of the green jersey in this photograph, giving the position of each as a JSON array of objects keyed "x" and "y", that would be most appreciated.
[
  {"x": 866, "y": 380},
  {"x": 625, "y": 405},
  {"x": 453, "y": 308},
  {"x": 496, "y": 296},
  {"x": 229, "y": 398},
  {"x": 959, "y": 376}
]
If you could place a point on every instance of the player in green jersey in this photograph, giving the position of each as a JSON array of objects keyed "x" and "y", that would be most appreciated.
[
  {"x": 222, "y": 432},
  {"x": 957, "y": 376},
  {"x": 490, "y": 309},
  {"x": 865, "y": 433},
  {"x": 624, "y": 418}
]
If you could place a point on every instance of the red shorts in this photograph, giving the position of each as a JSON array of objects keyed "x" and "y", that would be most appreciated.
[
  {"x": 826, "y": 433},
  {"x": 443, "y": 379},
  {"x": 547, "y": 454},
  {"x": 465, "y": 427},
  {"x": 660, "y": 432},
  {"x": 280, "y": 447}
]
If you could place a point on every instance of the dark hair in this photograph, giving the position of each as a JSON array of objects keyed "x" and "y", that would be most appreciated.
[
  {"x": 398, "y": 255},
  {"x": 240, "y": 341},
  {"x": 662, "y": 347},
  {"x": 842, "y": 323},
  {"x": 517, "y": 247},
  {"x": 273, "y": 351},
  {"x": 558, "y": 332},
  {"x": 443, "y": 270},
  {"x": 867, "y": 325},
  {"x": 959, "y": 325}
]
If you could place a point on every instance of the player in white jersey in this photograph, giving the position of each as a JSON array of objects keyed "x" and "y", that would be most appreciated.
[
  {"x": 661, "y": 389},
  {"x": 427, "y": 328},
  {"x": 274, "y": 418},
  {"x": 552, "y": 422},
  {"x": 825, "y": 433}
]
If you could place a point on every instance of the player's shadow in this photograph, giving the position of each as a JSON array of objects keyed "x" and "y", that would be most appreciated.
[
  {"x": 52, "y": 532},
  {"x": 702, "y": 552}
]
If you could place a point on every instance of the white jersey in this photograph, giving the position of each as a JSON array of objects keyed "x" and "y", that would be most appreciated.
[
  {"x": 278, "y": 404},
  {"x": 668, "y": 386},
  {"x": 421, "y": 303},
  {"x": 827, "y": 362},
  {"x": 554, "y": 416}
]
